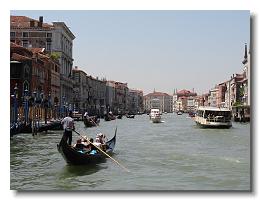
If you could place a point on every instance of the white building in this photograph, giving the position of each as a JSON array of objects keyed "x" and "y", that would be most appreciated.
[
  {"x": 247, "y": 78},
  {"x": 62, "y": 43},
  {"x": 212, "y": 99}
]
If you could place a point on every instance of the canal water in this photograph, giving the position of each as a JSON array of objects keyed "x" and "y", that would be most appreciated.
[{"x": 174, "y": 155}]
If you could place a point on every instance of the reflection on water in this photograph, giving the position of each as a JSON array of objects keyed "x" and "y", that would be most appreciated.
[
  {"x": 80, "y": 170},
  {"x": 174, "y": 155}
]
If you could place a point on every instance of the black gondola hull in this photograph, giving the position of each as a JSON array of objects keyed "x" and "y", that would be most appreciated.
[
  {"x": 91, "y": 121},
  {"x": 74, "y": 157}
]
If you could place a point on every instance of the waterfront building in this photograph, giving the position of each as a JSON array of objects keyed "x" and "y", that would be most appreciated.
[
  {"x": 110, "y": 96},
  {"x": 20, "y": 70},
  {"x": 135, "y": 101},
  {"x": 191, "y": 104},
  {"x": 213, "y": 96},
  {"x": 62, "y": 44},
  {"x": 140, "y": 101},
  {"x": 29, "y": 32},
  {"x": 221, "y": 94},
  {"x": 80, "y": 90},
  {"x": 233, "y": 92},
  {"x": 246, "y": 78},
  {"x": 52, "y": 68},
  {"x": 159, "y": 100},
  {"x": 198, "y": 101},
  {"x": 174, "y": 101},
  {"x": 121, "y": 93},
  {"x": 96, "y": 96},
  {"x": 40, "y": 79},
  {"x": 201, "y": 100},
  {"x": 184, "y": 100},
  {"x": 179, "y": 105},
  {"x": 56, "y": 38}
]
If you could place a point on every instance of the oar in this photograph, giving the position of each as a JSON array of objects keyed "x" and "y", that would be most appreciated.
[
  {"x": 103, "y": 152},
  {"x": 93, "y": 121}
]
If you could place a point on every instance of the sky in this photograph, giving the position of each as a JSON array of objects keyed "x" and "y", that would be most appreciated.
[{"x": 161, "y": 50}]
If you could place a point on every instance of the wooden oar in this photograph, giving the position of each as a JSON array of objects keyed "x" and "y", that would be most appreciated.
[
  {"x": 103, "y": 152},
  {"x": 93, "y": 121}
]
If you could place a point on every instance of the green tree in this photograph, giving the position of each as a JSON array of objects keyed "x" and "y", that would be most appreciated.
[{"x": 55, "y": 55}]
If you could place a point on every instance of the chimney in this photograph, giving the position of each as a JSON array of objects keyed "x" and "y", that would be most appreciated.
[
  {"x": 31, "y": 23},
  {"x": 245, "y": 56},
  {"x": 40, "y": 21}
]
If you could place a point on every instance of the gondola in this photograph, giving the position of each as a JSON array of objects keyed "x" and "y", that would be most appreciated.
[
  {"x": 109, "y": 117},
  {"x": 91, "y": 121},
  {"x": 74, "y": 157},
  {"x": 119, "y": 116}
]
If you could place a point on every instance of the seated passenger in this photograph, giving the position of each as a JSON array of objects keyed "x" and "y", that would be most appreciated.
[{"x": 97, "y": 142}]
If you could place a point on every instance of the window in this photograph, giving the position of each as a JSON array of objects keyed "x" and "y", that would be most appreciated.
[
  {"x": 25, "y": 34},
  {"x": 49, "y": 35},
  {"x": 48, "y": 46},
  {"x": 12, "y": 34},
  {"x": 25, "y": 43}
]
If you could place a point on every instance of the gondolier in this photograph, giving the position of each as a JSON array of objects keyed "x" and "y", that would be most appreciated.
[{"x": 68, "y": 126}]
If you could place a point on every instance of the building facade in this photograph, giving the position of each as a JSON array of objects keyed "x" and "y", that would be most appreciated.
[
  {"x": 80, "y": 90},
  {"x": 162, "y": 101},
  {"x": 135, "y": 101},
  {"x": 213, "y": 97},
  {"x": 184, "y": 100},
  {"x": 96, "y": 96},
  {"x": 62, "y": 43},
  {"x": 54, "y": 38}
]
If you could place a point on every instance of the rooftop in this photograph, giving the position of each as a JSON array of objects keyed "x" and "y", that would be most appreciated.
[{"x": 26, "y": 22}]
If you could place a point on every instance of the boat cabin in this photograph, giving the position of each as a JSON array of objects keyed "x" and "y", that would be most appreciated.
[{"x": 213, "y": 117}]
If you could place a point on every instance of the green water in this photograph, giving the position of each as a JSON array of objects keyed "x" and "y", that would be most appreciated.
[{"x": 174, "y": 155}]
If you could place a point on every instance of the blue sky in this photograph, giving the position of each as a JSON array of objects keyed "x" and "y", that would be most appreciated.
[{"x": 157, "y": 49}]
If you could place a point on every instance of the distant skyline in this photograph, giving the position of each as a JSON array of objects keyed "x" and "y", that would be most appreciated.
[{"x": 161, "y": 50}]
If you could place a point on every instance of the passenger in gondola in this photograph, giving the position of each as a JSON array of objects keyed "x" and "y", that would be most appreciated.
[
  {"x": 84, "y": 144},
  {"x": 101, "y": 138}
]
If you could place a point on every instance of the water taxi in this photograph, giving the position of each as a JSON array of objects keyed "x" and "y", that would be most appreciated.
[
  {"x": 155, "y": 115},
  {"x": 213, "y": 117}
]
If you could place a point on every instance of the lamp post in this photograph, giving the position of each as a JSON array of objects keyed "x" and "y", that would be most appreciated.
[
  {"x": 26, "y": 107},
  {"x": 34, "y": 104},
  {"x": 49, "y": 104},
  {"x": 41, "y": 104},
  {"x": 34, "y": 116},
  {"x": 15, "y": 96}
]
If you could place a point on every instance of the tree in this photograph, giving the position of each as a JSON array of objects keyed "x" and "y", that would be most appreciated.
[{"x": 55, "y": 56}]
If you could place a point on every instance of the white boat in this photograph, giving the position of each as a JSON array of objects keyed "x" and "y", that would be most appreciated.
[
  {"x": 155, "y": 116},
  {"x": 213, "y": 117}
]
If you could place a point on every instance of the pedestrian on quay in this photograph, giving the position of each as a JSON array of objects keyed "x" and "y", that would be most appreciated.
[{"x": 68, "y": 127}]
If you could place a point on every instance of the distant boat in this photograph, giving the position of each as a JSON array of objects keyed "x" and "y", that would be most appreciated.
[
  {"x": 109, "y": 117},
  {"x": 91, "y": 121},
  {"x": 119, "y": 116},
  {"x": 155, "y": 116},
  {"x": 192, "y": 114},
  {"x": 179, "y": 112},
  {"x": 130, "y": 116},
  {"x": 213, "y": 117}
]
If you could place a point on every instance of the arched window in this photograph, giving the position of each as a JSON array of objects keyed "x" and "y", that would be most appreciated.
[{"x": 26, "y": 85}]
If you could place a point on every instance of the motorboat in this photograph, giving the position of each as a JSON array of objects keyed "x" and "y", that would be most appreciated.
[
  {"x": 213, "y": 117},
  {"x": 155, "y": 116}
]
